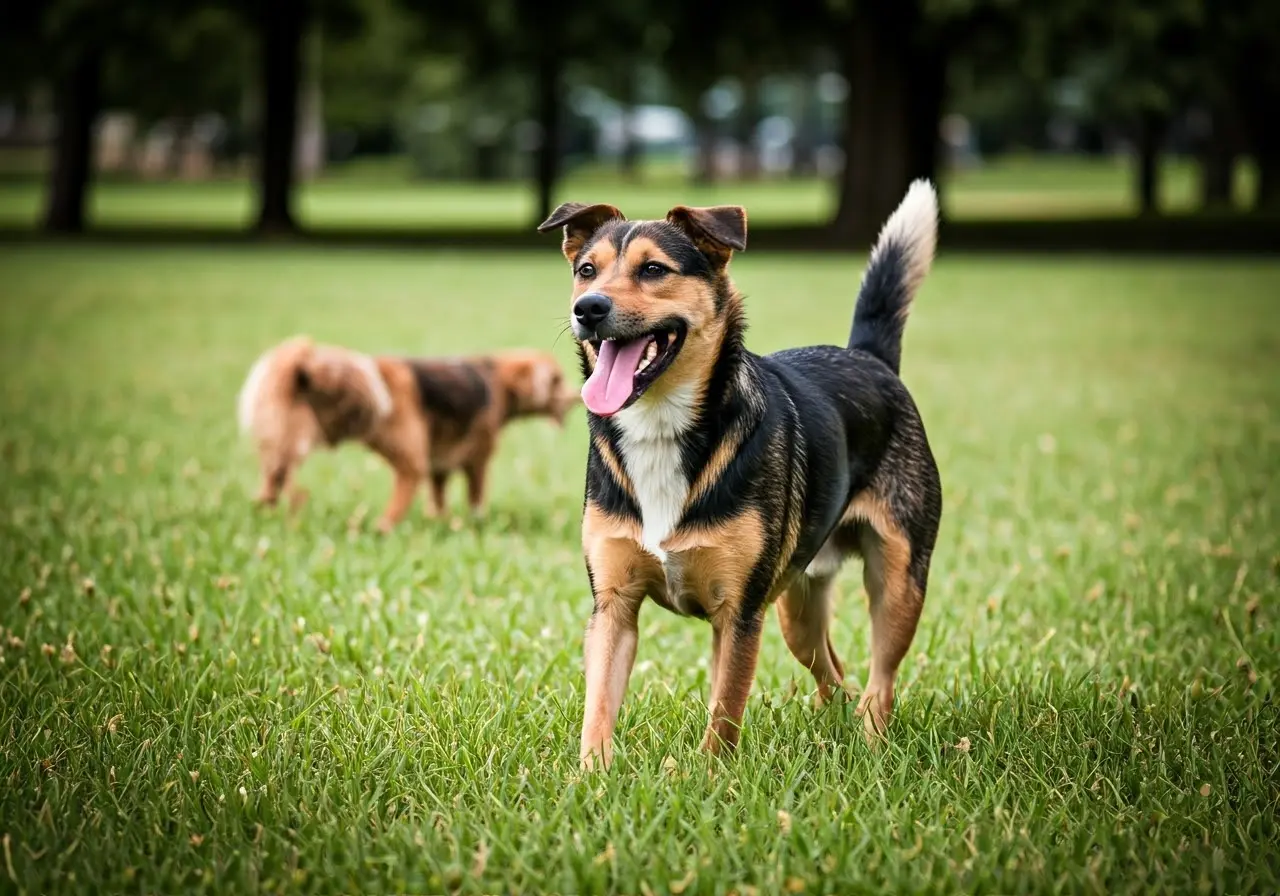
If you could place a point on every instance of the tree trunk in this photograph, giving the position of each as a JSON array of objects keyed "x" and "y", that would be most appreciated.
[
  {"x": 283, "y": 24},
  {"x": 1217, "y": 170},
  {"x": 748, "y": 119},
  {"x": 547, "y": 172},
  {"x": 1268, "y": 198},
  {"x": 896, "y": 97},
  {"x": 485, "y": 156},
  {"x": 79, "y": 97},
  {"x": 705, "y": 135},
  {"x": 804, "y": 142},
  {"x": 1256, "y": 102},
  {"x": 632, "y": 147},
  {"x": 1147, "y": 149}
]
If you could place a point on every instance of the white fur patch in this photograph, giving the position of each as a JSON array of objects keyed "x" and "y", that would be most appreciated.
[
  {"x": 377, "y": 385},
  {"x": 826, "y": 562},
  {"x": 913, "y": 228},
  {"x": 247, "y": 401},
  {"x": 651, "y": 454}
]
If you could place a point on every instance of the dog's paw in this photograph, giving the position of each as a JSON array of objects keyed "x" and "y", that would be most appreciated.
[
  {"x": 837, "y": 694},
  {"x": 385, "y": 526},
  {"x": 875, "y": 710},
  {"x": 596, "y": 758}
]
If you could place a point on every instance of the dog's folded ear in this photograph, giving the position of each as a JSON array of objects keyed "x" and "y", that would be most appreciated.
[
  {"x": 716, "y": 231},
  {"x": 579, "y": 221}
]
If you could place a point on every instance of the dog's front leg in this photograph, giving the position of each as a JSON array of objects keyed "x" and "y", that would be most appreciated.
[
  {"x": 608, "y": 655},
  {"x": 735, "y": 648},
  {"x": 407, "y": 482}
]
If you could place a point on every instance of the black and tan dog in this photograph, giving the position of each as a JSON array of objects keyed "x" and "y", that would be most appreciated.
[
  {"x": 426, "y": 417},
  {"x": 719, "y": 481}
]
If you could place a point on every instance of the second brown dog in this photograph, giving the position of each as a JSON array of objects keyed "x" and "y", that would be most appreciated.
[{"x": 428, "y": 418}]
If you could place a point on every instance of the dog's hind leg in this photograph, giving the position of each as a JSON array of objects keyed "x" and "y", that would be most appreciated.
[
  {"x": 439, "y": 481},
  {"x": 804, "y": 610},
  {"x": 277, "y": 469},
  {"x": 896, "y": 600},
  {"x": 477, "y": 470}
]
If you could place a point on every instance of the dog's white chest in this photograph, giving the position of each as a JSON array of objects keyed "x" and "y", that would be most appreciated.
[{"x": 651, "y": 455}]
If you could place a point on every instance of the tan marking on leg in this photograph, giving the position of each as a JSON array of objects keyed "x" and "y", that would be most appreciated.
[
  {"x": 716, "y": 565},
  {"x": 717, "y": 642},
  {"x": 895, "y": 605},
  {"x": 735, "y": 673},
  {"x": 621, "y": 575},
  {"x": 804, "y": 611}
]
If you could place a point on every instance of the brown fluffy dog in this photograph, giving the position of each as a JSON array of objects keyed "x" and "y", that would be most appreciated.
[{"x": 426, "y": 418}]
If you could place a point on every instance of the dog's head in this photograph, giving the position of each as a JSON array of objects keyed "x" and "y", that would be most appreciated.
[
  {"x": 650, "y": 298},
  {"x": 535, "y": 385}
]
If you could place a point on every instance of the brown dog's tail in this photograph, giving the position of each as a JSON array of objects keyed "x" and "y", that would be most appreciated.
[
  {"x": 271, "y": 389},
  {"x": 899, "y": 262}
]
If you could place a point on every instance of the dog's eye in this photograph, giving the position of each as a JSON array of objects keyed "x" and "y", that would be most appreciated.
[
  {"x": 652, "y": 270},
  {"x": 587, "y": 271}
]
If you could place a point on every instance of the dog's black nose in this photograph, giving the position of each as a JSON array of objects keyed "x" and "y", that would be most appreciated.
[{"x": 591, "y": 309}]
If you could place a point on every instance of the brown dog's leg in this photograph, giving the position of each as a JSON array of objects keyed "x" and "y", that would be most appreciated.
[
  {"x": 735, "y": 658},
  {"x": 476, "y": 471},
  {"x": 438, "y": 483},
  {"x": 895, "y": 603},
  {"x": 298, "y": 497},
  {"x": 406, "y": 485},
  {"x": 804, "y": 611},
  {"x": 277, "y": 468}
]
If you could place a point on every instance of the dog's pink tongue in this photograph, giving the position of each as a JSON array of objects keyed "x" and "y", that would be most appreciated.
[{"x": 610, "y": 384}]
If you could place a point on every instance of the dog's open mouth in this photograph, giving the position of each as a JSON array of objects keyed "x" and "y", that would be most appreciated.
[{"x": 626, "y": 368}]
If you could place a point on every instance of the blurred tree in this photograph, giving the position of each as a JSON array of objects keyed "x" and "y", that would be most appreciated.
[
  {"x": 515, "y": 36},
  {"x": 281, "y": 28},
  {"x": 71, "y": 42},
  {"x": 896, "y": 59},
  {"x": 1141, "y": 66},
  {"x": 718, "y": 38},
  {"x": 366, "y": 79},
  {"x": 1242, "y": 68},
  {"x": 194, "y": 65}
]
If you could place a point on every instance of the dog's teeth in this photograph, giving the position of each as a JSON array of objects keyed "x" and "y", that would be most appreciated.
[{"x": 650, "y": 351}]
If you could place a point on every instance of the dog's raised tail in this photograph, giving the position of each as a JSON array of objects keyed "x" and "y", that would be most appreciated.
[
  {"x": 899, "y": 262},
  {"x": 269, "y": 389}
]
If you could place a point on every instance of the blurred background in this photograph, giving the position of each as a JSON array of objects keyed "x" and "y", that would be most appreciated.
[{"x": 1091, "y": 123}]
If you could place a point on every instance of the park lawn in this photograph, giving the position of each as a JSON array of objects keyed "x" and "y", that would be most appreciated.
[
  {"x": 195, "y": 695},
  {"x": 383, "y": 196}
]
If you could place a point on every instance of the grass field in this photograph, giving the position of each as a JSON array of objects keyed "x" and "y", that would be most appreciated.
[
  {"x": 195, "y": 695},
  {"x": 384, "y": 196}
]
